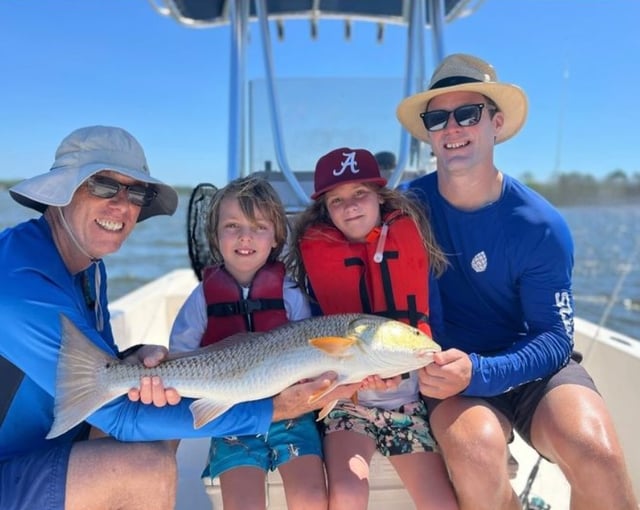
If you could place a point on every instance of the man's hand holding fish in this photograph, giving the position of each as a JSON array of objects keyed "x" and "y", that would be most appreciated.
[
  {"x": 151, "y": 390},
  {"x": 296, "y": 399}
]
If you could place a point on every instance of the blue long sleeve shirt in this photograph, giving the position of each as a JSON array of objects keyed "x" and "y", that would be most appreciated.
[
  {"x": 506, "y": 296},
  {"x": 35, "y": 288}
]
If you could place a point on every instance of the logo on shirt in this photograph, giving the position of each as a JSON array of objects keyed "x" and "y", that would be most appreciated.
[
  {"x": 479, "y": 262},
  {"x": 565, "y": 309},
  {"x": 348, "y": 163}
]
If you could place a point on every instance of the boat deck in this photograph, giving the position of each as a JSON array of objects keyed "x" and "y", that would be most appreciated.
[{"x": 386, "y": 491}]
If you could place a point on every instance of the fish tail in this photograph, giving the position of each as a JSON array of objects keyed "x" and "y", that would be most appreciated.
[{"x": 78, "y": 392}]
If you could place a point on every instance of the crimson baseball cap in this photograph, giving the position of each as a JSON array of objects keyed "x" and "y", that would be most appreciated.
[{"x": 344, "y": 165}]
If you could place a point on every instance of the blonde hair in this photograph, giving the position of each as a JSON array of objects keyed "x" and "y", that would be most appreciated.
[
  {"x": 317, "y": 214},
  {"x": 253, "y": 194}
]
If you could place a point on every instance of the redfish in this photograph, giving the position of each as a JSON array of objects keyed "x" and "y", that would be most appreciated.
[{"x": 243, "y": 367}]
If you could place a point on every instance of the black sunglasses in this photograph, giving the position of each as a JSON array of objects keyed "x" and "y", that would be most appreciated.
[
  {"x": 106, "y": 187},
  {"x": 465, "y": 115}
]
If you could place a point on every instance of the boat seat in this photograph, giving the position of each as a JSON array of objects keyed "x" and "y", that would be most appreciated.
[{"x": 386, "y": 489}]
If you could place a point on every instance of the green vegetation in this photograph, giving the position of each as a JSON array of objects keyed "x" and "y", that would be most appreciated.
[
  {"x": 7, "y": 184},
  {"x": 581, "y": 189},
  {"x": 564, "y": 189}
]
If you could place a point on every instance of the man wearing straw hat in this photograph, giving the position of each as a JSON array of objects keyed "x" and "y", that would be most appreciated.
[
  {"x": 508, "y": 309},
  {"x": 97, "y": 190}
]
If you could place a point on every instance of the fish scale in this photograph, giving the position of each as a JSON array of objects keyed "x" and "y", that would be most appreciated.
[{"x": 246, "y": 366}]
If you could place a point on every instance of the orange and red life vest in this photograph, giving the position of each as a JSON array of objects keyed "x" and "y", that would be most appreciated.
[{"x": 345, "y": 278}]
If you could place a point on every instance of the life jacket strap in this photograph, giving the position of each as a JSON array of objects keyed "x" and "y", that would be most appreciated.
[{"x": 244, "y": 307}]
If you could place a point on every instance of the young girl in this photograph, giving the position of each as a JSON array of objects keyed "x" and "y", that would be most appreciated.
[
  {"x": 249, "y": 291},
  {"x": 362, "y": 247}
]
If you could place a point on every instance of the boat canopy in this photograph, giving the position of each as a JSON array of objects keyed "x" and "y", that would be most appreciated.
[
  {"x": 200, "y": 13},
  {"x": 417, "y": 16}
]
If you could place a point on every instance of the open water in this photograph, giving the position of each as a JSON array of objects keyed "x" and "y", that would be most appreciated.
[{"x": 606, "y": 276}]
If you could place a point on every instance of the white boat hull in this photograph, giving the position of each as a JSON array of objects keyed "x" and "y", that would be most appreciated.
[{"x": 613, "y": 361}]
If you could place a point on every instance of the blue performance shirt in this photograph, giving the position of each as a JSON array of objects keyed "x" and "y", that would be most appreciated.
[
  {"x": 506, "y": 295},
  {"x": 35, "y": 288}
]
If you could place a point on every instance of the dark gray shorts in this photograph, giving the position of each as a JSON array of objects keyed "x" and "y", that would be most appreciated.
[
  {"x": 35, "y": 481},
  {"x": 519, "y": 404}
]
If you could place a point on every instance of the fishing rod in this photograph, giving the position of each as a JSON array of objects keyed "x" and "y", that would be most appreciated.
[
  {"x": 535, "y": 503},
  {"x": 614, "y": 297}
]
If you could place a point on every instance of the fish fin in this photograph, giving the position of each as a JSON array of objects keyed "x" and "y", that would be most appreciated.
[
  {"x": 324, "y": 412},
  {"x": 332, "y": 345},
  {"x": 205, "y": 409},
  {"x": 321, "y": 393},
  {"x": 78, "y": 392}
]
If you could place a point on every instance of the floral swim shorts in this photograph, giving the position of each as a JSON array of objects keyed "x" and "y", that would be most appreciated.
[{"x": 395, "y": 431}]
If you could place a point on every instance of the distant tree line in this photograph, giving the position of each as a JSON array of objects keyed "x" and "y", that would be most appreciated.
[
  {"x": 8, "y": 184},
  {"x": 563, "y": 189},
  {"x": 575, "y": 188}
]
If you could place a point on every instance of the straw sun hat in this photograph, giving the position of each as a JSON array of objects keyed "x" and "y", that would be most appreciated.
[
  {"x": 83, "y": 153},
  {"x": 464, "y": 73}
]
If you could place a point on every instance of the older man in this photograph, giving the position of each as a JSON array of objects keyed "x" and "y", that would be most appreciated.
[{"x": 98, "y": 188}]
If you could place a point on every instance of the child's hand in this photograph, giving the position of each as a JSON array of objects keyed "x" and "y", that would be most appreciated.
[{"x": 377, "y": 383}]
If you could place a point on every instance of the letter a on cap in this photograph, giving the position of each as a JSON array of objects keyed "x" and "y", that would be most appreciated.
[{"x": 349, "y": 162}]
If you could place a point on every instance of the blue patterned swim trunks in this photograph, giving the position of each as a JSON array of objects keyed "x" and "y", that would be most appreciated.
[{"x": 286, "y": 439}]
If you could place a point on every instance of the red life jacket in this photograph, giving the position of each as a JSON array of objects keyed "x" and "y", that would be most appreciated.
[
  {"x": 229, "y": 313},
  {"x": 344, "y": 277}
]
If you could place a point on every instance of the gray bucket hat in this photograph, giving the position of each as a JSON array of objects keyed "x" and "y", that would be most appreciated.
[{"x": 83, "y": 153}]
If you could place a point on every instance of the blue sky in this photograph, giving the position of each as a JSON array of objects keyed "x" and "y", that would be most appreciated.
[{"x": 70, "y": 63}]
